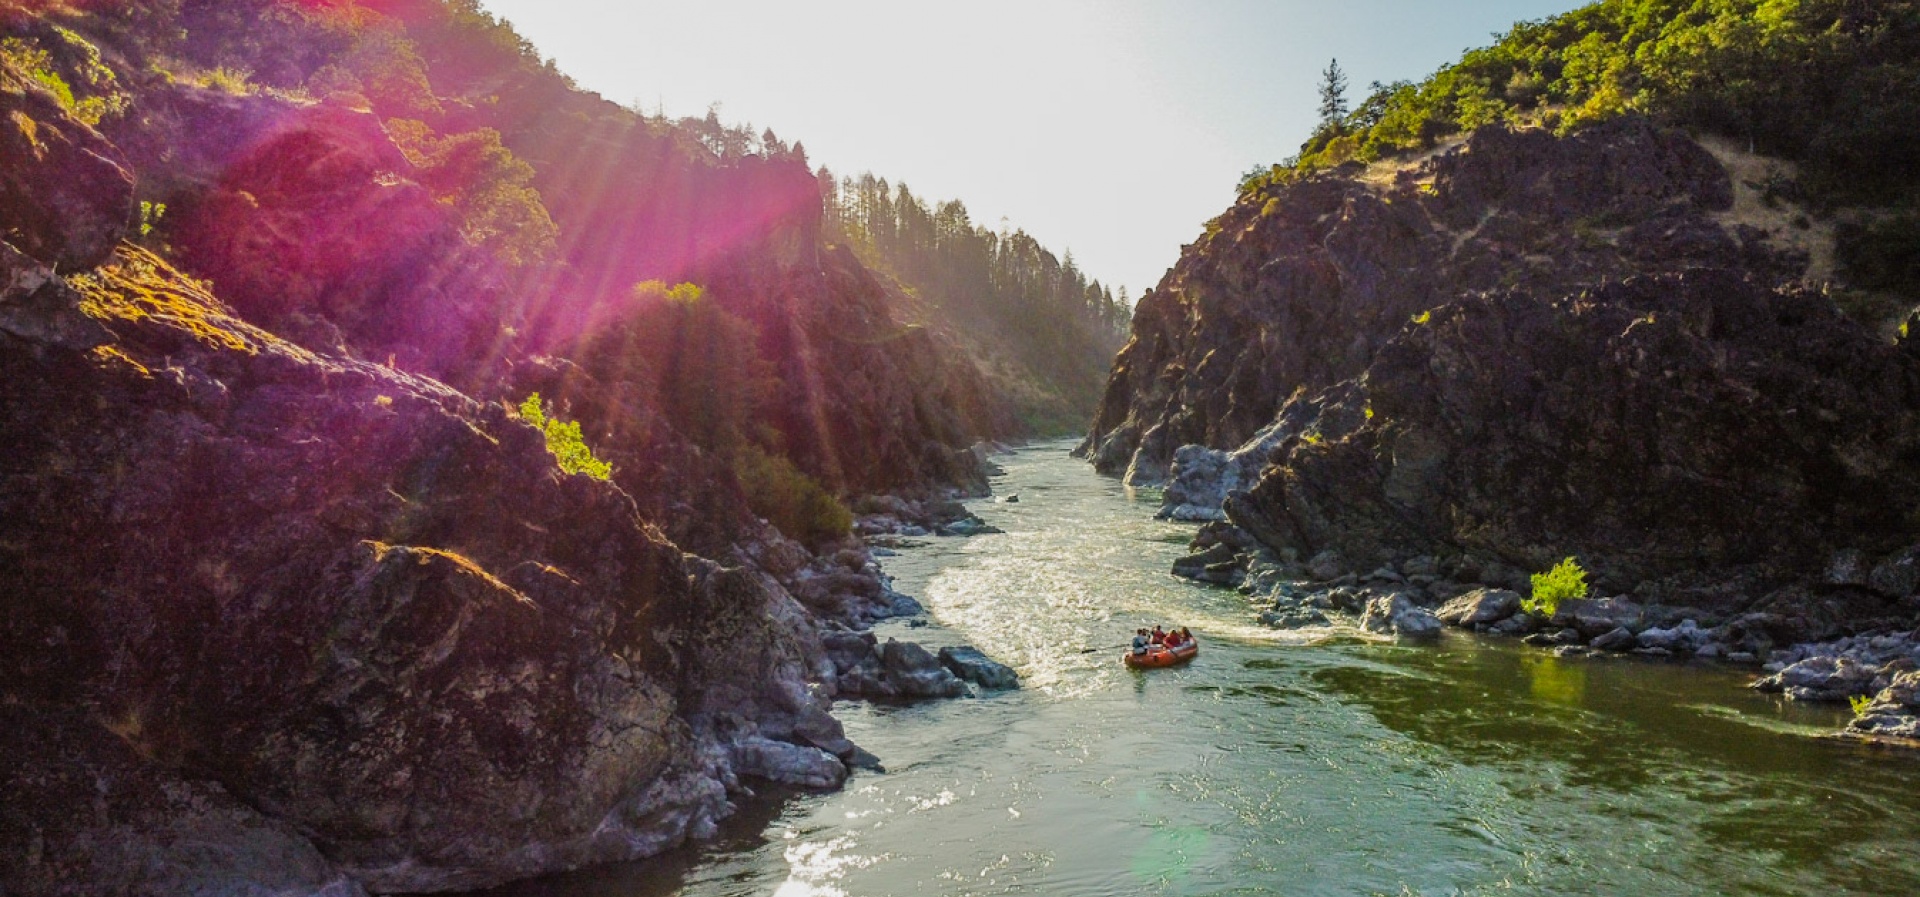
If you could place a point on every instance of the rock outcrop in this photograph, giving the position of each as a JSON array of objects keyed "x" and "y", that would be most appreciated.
[
  {"x": 1298, "y": 287},
  {"x": 66, "y": 194},
  {"x": 1522, "y": 348},
  {"x": 1660, "y": 427},
  {"x": 297, "y": 603},
  {"x": 316, "y": 596}
]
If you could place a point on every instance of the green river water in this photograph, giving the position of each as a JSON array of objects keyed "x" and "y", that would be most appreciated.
[{"x": 1297, "y": 763}]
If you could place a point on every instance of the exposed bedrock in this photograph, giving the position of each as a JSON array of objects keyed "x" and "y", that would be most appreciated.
[
  {"x": 1297, "y": 288},
  {"x": 344, "y": 627},
  {"x": 1664, "y": 426},
  {"x": 66, "y": 194}
]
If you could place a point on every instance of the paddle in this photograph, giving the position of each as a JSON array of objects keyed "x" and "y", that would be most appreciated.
[{"x": 1106, "y": 648}]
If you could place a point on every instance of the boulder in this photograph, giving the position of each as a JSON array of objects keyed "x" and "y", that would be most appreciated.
[
  {"x": 1687, "y": 637},
  {"x": 1824, "y": 678},
  {"x": 970, "y": 664},
  {"x": 1217, "y": 564},
  {"x": 1397, "y": 614},
  {"x": 1894, "y": 712},
  {"x": 1293, "y": 617},
  {"x": 1197, "y": 484},
  {"x": 1618, "y": 639},
  {"x": 1326, "y": 565},
  {"x": 1480, "y": 606},
  {"x": 787, "y": 764},
  {"x": 1596, "y": 617},
  {"x": 1518, "y": 624},
  {"x": 914, "y": 672}
]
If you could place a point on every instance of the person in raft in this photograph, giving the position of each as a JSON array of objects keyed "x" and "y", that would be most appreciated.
[
  {"x": 1176, "y": 638},
  {"x": 1159, "y": 636},
  {"x": 1139, "y": 641}
]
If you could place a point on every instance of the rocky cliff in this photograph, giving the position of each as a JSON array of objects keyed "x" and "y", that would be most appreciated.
[
  {"x": 298, "y": 604},
  {"x": 1523, "y": 347}
]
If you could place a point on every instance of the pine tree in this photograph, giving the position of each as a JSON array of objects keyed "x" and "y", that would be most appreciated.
[{"x": 1333, "y": 95}]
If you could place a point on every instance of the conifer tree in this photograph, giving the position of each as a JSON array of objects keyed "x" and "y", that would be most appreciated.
[{"x": 1333, "y": 95}]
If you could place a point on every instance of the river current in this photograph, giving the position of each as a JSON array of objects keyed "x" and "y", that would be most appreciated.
[{"x": 1321, "y": 762}]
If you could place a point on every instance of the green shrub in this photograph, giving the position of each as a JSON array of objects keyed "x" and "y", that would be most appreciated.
[
  {"x": 150, "y": 215},
  {"x": 1859, "y": 703},
  {"x": 793, "y": 502},
  {"x": 569, "y": 448},
  {"x": 1565, "y": 580}
]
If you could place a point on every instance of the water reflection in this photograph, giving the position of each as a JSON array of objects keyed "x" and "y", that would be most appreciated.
[{"x": 1556, "y": 682}]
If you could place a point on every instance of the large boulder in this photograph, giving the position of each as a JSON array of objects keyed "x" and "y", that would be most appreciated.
[
  {"x": 914, "y": 672},
  {"x": 787, "y": 764},
  {"x": 1398, "y": 615},
  {"x": 1824, "y": 678},
  {"x": 970, "y": 664},
  {"x": 1893, "y": 713},
  {"x": 1480, "y": 607},
  {"x": 1597, "y": 616}
]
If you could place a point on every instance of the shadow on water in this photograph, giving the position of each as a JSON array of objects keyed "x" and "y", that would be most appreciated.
[{"x": 745, "y": 832}]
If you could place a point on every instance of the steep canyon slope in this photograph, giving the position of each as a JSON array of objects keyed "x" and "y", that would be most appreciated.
[
  {"x": 298, "y": 601},
  {"x": 1613, "y": 338}
]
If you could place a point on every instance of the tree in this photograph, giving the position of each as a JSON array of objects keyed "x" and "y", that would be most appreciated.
[{"x": 1333, "y": 95}]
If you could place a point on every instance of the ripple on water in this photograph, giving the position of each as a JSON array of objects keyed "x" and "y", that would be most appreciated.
[{"x": 1300, "y": 763}]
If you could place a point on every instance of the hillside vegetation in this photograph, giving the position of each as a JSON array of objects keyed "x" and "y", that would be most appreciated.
[
  {"x": 1832, "y": 85},
  {"x": 1041, "y": 327}
]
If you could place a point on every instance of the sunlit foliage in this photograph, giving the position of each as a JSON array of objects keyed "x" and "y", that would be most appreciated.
[
  {"x": 71, "y": 69},
  {"x": 569, "y": 448},
  {"x": 491, "y": 188},
  {"x": 1566, "y": 580},
  {"x": 1827, "y": 82},
  {"x": 1001, "y": 285}
]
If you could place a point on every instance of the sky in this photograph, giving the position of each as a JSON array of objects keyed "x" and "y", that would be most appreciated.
[{"x": 1113, "y": 129}]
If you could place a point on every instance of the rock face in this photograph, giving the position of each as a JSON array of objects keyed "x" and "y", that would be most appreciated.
[
  {"x": 1519, "y": 349},
  {"x": 285, "y": 620},
  {"x": 1513, "y": 426},
  {"x": 66, "y": 194},
  {"x": 1516, "y": 349},
  {"x": 347, "y": 606},
  {"x": 1300, "y": 286}
]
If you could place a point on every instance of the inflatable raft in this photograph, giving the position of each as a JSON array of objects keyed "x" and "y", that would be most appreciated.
[{"x": 1161, "y": 656}]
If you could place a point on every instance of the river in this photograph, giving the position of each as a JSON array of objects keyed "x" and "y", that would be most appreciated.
[{"x": 1291, "y": 763}]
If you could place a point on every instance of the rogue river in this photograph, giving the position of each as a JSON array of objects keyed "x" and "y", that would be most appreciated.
[{"x": 1298, "y": 763}]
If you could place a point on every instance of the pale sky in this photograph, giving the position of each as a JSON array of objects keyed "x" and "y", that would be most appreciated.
[{"x": 1111, "y": 128}]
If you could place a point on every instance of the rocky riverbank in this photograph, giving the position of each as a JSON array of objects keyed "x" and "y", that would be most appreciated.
[
  {"x": 1842, "y": 657},
  {"x": 1392, "y": 388}
]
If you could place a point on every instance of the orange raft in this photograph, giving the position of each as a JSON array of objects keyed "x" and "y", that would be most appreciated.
[{"x": 1161, "y": 656}]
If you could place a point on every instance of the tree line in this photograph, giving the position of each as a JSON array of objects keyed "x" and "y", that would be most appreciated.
[{"x": 1003, "y": 286}]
